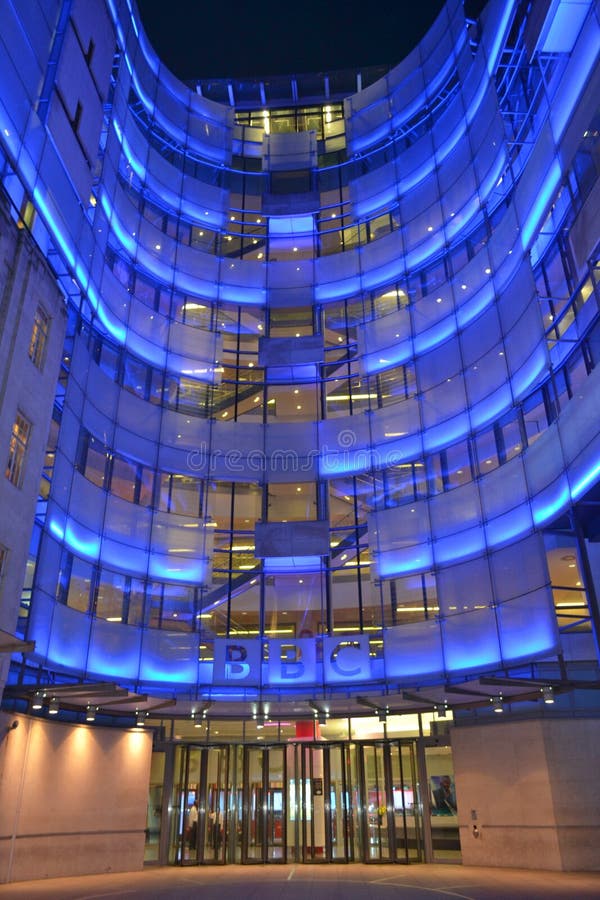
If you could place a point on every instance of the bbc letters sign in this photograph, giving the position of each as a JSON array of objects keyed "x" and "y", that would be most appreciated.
[
  {"x": 291, "y": 662},
  {"x": 410, "y": 652},
  {"x": 237, "y": 662}
]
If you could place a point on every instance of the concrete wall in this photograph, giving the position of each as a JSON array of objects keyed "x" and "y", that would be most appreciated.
[
  {"x": 25, "y": 282},
  {"x": 532, "y": 791},
  {"x": 73, "y": 798}
]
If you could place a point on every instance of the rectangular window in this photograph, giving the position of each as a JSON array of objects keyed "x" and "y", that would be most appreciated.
[
  {"x": 123, "y": 479},
  {"x": 39, "y": 338},
  {"x": 80, "y": 582},
  {"x": 17, "y": 448},
  {"x": 96, "y": 455},
  {"x": 110, "y": 597}
]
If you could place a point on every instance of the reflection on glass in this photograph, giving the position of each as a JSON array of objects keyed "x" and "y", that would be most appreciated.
[{"x": 442, "y": 803}]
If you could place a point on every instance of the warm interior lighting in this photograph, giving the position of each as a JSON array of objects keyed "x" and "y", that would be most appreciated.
[
  {"x": 140, "y": 718},
  {"x": 190, "y": 306},
  {"x": 335, "y": 397},
  {"x": 53, "y": 707},
  {"x": 498, "y": 704},
  {"x": 90, "y": 715},
  {"x": 37, "y": 702}
]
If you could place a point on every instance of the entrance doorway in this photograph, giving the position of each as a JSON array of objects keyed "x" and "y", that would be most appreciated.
[
  {"x": 264, "y": 807},
  {"x": 393, "y": 821},
  {"x": 203, "y": 788},
  {"x": 368, "y": 801}
]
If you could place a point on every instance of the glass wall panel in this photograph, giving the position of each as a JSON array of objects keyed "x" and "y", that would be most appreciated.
[
  {"x": 295, "y": 502},
  {"x": 378, "y": 804},
  {"x": 155, "y": 807},
  {"x": 80, "y": 584},
  {"x": 295, "y": 605},
  {"x": 442, "y": 803},
  {"x": 110, "y": 596}
]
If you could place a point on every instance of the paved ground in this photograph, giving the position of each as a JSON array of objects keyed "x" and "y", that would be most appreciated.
[{"x": 318, "y": 882}]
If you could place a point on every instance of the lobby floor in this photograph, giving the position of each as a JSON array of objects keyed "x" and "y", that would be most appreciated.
[{"x": 305, "y": 882}]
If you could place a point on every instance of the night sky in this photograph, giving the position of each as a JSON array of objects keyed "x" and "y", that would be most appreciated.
[{"x": 218, "y": 39}]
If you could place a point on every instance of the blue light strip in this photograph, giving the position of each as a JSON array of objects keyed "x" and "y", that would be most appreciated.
[
  {"x": 552, "y": 508},
  {"x": 581, "y": 63},
  {"x": 419, "y": 559},
  {"x": 188, "y": 571},
  {"x": 53, "y": 227},
  {"x": 540, "y": 205},
  {"x": 585, "y": 482},
  {"x": 80, "y": 272},
  {"x": 499, "y": 34},
  {"x": 130, "y": 156}
]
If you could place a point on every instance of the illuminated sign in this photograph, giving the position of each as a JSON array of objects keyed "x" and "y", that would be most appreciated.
[
  {"x": 521, "y": 628},
  {"x": 346, "y": 659},
  {"x": 292, "y": 662},
  {"x": 237, "y": 662}
]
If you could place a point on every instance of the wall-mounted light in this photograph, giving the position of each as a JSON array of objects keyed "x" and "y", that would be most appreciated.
[
  {"x": 498, "y": 704},
  {"x": 548, "y": 693},
  {"x": 53, "y": 707},
  {"x": 37, "y": 701},
  {"x": 90, "y": 713}
]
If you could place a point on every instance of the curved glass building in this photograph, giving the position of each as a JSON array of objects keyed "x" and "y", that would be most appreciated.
[{"x": 325, "y": 442}]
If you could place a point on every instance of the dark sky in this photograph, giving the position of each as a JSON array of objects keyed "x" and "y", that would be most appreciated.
[{"x": 237, "y": 38}]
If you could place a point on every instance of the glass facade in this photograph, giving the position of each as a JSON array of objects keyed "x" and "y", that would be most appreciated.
[{"x": 328, "y": 395}]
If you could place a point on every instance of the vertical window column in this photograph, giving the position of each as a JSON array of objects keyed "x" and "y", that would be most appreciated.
[{"x": 17, "y": 449}]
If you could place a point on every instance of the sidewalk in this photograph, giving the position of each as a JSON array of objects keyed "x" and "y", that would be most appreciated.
[{"x": 306, "y": 882}]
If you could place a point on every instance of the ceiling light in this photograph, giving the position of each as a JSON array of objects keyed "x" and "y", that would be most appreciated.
[
  {"x": 37, "y": 701},
  {"x": 53, "y": 707},
  {"x": 498, "y": 704},
  {"x": 140, "y": 718},
  {"x": 90, "y": 715},
  {"x": 548, "y": 693}
]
